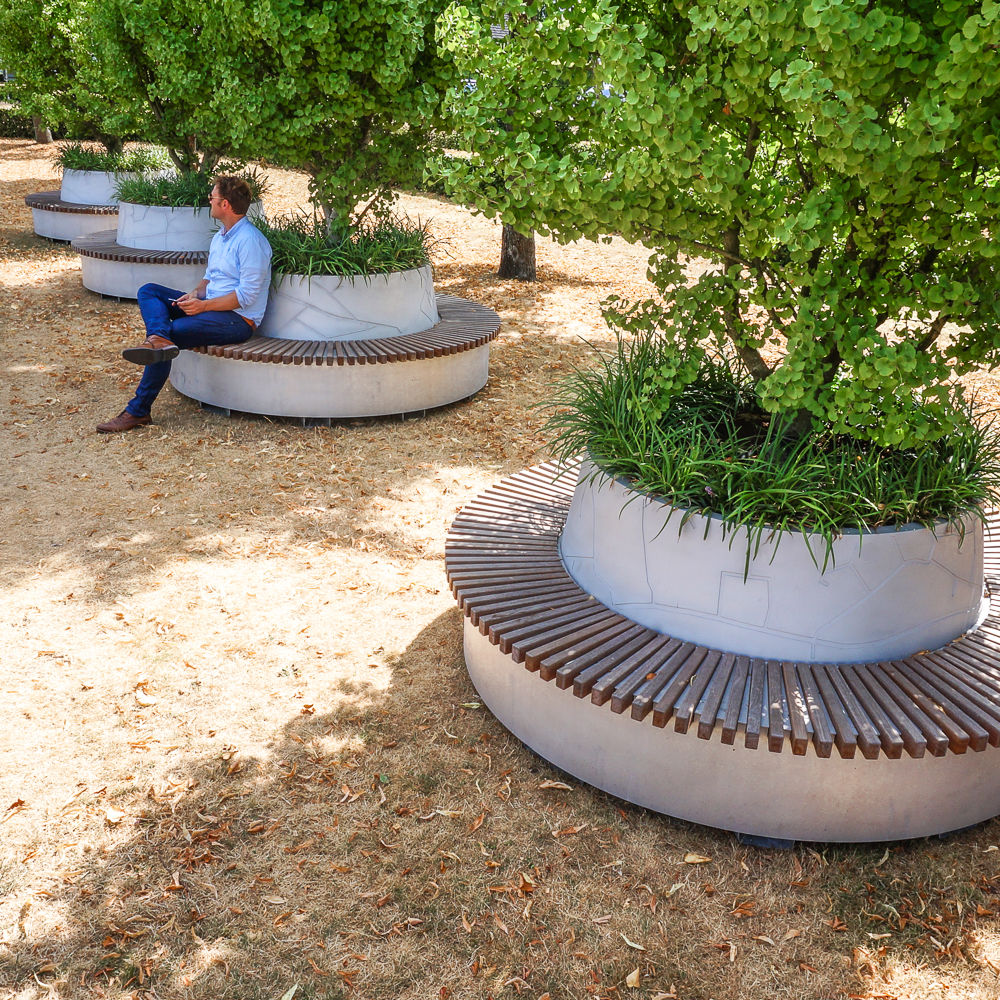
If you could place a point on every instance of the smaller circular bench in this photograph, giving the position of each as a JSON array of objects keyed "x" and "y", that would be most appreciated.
[
  {"x": 878, "y": 751},
  {"x": 109, "y": 268},
  {"x": 55, "y": 219},
  {"x": 334, "y": 379}
]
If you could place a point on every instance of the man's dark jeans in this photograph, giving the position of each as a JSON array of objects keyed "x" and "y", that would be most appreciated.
[{"x": 165, "y": 320}]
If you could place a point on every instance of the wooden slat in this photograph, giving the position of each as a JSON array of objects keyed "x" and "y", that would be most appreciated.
[
  {"x": 964, "y": 690},
  {"x": 798, "y": 710},
  {"x": 50, "y": 201},
  {"x": 489, "y": 609},
  {"x": 550, "y": 665},
  {"x": 503, "y": 576},
  {"x": 648, "y": 658},
  {"x": 606, "y": 627},
  {"x": 776, "y": 707},
  {"x": 755, "y": 704},
  {"x": 708, "y": 717},
  {"x": 104, "y": 245},
  {"x": 912, "y": 722},
  {"x": 705, "y": 663},
  {"x": 583, "y": 672},
  {"x": 946, "y": 706},
  {"x": 853, "y": 727},
  {"x": 734, "y": 699},
  {"x": 823, "y": 734},
  {"x": 909, "y": 692},
  {"x": 519, "y": 643},
  {"x": 645, "y": 682},
  {"x": 474, "y": 589},
  {"x": 543, "y": 613},
  {"x": 893, "y": 739},
  {"x": 543, "y": 609}
]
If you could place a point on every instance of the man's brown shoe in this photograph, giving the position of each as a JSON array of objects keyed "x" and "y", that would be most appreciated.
[
  {"x": 123, "y": 422},
  {"x": 151, "y": 350}
]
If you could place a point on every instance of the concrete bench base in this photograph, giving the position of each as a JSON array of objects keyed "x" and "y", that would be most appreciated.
[
  {"x": 346, "y": 378},
  {"x": 797, "y": 751},
  {"x": 782, "y": 795},
  {"x": 112, "y": 269},
  {"x": 55, "y": 219},
  {"x": 330, "y": 391}
]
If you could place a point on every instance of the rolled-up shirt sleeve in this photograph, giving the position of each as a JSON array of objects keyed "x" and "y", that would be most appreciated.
[
  {"x": 254, "y": 272},
  {"x": 240, "y": 261}
]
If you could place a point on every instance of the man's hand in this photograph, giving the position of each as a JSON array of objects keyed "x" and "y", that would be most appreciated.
[
  {"x": 195, "y": 295},
  {"x": 190, "y": 305}
]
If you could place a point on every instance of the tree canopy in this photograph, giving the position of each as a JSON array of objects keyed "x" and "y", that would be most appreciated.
[
  {"x": 162, "y": 57},
  {"x": 836, "y": 160},
  {"x": 344, "y": 90}
]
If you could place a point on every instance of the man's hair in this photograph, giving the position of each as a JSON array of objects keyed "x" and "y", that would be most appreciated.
[{"x": 236, "y": 191}]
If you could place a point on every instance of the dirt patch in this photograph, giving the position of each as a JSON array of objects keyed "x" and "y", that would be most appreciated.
[{"x": 239, "y": 750}]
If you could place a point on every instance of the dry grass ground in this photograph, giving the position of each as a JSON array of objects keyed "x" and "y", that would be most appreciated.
[{"x": 239, "y": 752}]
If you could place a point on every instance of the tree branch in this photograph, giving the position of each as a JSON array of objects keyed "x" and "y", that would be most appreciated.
[{"x": 932, "y": 334}]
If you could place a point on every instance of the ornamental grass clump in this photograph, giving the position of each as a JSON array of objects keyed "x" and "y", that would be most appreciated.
[
  {"x": 302, "y": 244},
  {"x": 77, "y": 156},
  {"x": 715, "y": 449},
  {"x": 178, "y": 190}
]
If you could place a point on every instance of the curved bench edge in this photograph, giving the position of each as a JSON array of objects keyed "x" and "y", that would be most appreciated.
[{"x": 504, "y": 568}]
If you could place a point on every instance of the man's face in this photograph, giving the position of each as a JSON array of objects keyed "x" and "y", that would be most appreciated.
[{"x": 216, "y": 203}]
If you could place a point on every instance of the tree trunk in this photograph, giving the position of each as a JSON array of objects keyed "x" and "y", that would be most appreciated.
[
  {"x": 42, "y": 132},
  {"x": 517, "y": 255}
]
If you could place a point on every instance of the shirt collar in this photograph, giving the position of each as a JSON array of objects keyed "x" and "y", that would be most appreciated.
[{"x": 226, "y": 233}]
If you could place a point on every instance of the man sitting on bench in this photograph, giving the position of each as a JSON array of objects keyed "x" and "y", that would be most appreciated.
[{"x": 225, "y": 308}]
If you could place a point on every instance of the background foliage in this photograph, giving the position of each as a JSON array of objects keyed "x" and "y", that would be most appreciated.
[
  {"x": 162, "y": 57},
  {"x": 58, "y": 76},
  {"x": 352, "y": 93}
]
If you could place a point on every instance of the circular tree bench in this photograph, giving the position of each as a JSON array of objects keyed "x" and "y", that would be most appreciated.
[
  {"x": 332, "y": 379},
  {"x": 109, "y": 268},
  {"x": 800, "y": 751},
  {"x": 55, "y": 219}
]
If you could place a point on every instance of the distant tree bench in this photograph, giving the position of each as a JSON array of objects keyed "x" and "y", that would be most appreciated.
[
  {"x": 332, "y": 379},
  {"x": 878, "y": 751},
  {"x": 109, "y": 268},
  {"x": 55, "y": 219}
]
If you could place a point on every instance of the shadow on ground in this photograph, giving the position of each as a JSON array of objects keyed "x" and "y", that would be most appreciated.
[{"x": 404, "y": 845}]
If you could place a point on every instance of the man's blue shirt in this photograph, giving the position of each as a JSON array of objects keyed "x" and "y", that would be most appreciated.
[{"x": 239, "y": 260}]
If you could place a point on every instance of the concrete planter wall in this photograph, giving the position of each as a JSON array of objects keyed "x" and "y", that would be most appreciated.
[
  {"x": 333, "y": 308},
  {"x": 897, "y": 593},
  {"x": 122, "y": 279},
  {"x": 160, "y": 227},
  {"x": 91, "y": 187}
]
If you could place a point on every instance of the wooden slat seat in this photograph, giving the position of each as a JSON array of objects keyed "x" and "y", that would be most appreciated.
[
  {"x": 49, "y": 201},
  {"x": 503, "y": 564},
  {"x": 104, "y": 245},
  {"x": 463, "y": 326}
]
